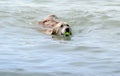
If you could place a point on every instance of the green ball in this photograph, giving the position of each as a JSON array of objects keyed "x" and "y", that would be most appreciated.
[{"x": 67, "y": 33}]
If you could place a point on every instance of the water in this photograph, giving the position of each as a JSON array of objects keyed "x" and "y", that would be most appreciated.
[{"x": 94, "y": 50}]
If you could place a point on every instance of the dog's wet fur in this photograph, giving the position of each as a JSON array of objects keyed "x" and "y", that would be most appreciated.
[{"x": 52, "y": 26}]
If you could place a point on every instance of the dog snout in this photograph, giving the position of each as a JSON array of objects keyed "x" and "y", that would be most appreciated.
[{"x": 67, "y": 30}]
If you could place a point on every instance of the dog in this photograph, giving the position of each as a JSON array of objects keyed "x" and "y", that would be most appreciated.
[{"x": 52, "y": 26}]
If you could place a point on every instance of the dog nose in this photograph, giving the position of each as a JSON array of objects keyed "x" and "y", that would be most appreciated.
[{"x": 67, "y": 30}]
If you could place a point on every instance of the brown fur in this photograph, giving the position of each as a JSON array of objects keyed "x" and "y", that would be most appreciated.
[{"x": 51, "y": 25}]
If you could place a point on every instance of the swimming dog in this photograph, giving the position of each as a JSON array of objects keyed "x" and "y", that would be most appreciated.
[{"x": 52, "y": 26}]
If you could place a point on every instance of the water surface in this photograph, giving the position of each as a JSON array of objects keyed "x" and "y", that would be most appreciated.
[{"x": 94, "y": 49}]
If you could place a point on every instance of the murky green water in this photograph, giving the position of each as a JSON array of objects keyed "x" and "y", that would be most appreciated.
[{"x": 94, "y": 49}]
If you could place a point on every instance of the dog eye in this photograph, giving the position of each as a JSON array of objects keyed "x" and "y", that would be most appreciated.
[
  {"x": 67, "y": 25},
  {"x": 61, "y": 26}
]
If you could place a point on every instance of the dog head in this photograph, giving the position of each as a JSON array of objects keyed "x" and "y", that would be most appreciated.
[{"x": 62, "y": 29}]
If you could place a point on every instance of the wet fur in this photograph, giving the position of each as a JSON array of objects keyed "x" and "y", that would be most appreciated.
[{"x": 52, "y": 26}]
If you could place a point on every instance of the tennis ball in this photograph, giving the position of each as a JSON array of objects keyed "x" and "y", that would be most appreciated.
[{"x": 67, "y": 33}]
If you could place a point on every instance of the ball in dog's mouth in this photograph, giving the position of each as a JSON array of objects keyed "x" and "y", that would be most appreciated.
[{"x": 67, "y": 34}]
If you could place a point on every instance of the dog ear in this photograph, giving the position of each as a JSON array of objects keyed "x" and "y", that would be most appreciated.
[{"x": 53, "y": 32}]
